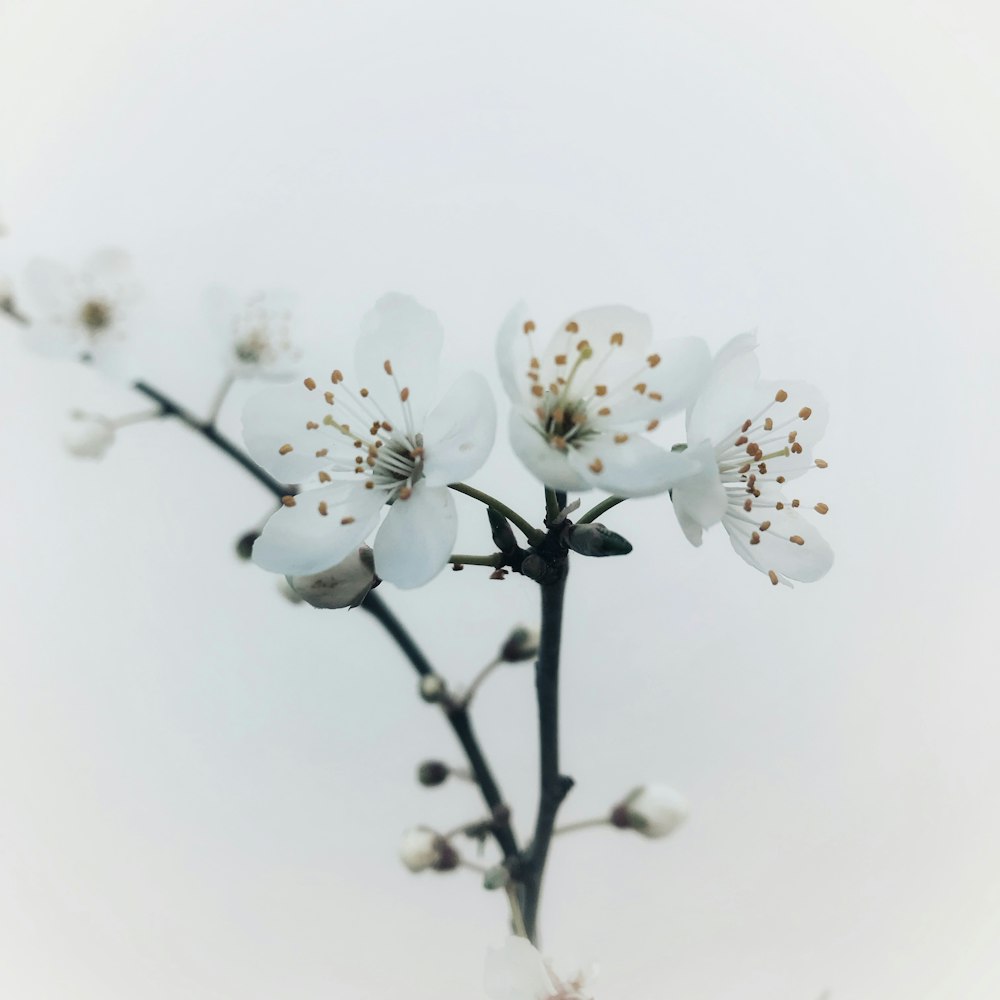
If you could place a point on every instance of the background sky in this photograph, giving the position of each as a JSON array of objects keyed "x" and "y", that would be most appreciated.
[{"x": 202, "y": 787}]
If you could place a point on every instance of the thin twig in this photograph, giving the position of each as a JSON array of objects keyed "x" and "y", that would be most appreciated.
[
  {"x": 598, "y": 509},
  {"x": 530, "y": 532}
]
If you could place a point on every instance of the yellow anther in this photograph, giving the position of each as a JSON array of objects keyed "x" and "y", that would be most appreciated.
[
  {"x": 768, "y": 424},
  {"x": 773, "y": 577},
  {"x": 572, "y": 326},
  {"x": 640, "y": 387},
  {"x": 805, "y": 413},
  {"x": 336, "y": 376},
  {"x": 797, "y": 539},
  {"x": 285, "y": 449},
  {"x": 323, "y": 509},
  {"x": 311, "y": 425},
  {"x": 821, "y": 508},
  {"x": 324, "y": 477},
  {"x": 780, "y": 396},
  {"x": 597, "y": 466},
  {"x": 617, "y": 339},
  {"x": 652, "y": 425},
  {"x": 309, "y": 383},
  {"x": 656, "y": 396},
  {"x": 288, "y": 501}
]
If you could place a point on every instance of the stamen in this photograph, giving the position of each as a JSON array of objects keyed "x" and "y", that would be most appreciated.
[
  {"x": 773, "y": 577},
  {"x": 617, "y": 339},
  {"x": 780, "y": 396},
  {"x": 324, "y": 477},
  {"x": 754, "y": 539},
  {"x": 821, "y": 508},
  {"x": 621, "y": 438},
  {"x": 805, "y": 413},
  {"x": 288, "y": 501},
  {"x": 768, "y": 424},
  {"x": 387, "y": 365},
  {"x": 309, "y": 383},
  {"x": 322, "y": 452},
  {"x": 337, "y": 376},
  {"x": 746, "y": 425},
  {"x": 323, "y": 509},
  {"x": 572, "y": 326},
  {"x": 764, "y": 525},
  {"x": 364, "y": 393},
  {"x": 652, "y": 425},
  {"x": 347, "y": 520},
  {"x": 820, "y": 464},
  {"x": 797, "y": 539},
  {"x": 653, "y": 360},
  {"x": 285, "y": 449},
  {"x": 600, "y": 390},
  {"x": 597, "y": 466},
  {"x": 311, "y": 425},
  {"x": 328, "y": 396},
  {"x": 404, "y": 394},
  {"x": 604, "y": 411},
  {"x": 657, "y": 396},
  {"x": 529, "y": 326},
  {"x": 405, "y": 493}
]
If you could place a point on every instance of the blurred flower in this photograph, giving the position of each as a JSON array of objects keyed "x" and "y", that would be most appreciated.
[
  {"x": 581, "y": 408},
  {"x": 84, "y": 314},
  {"x": 90, "y": 435},
  {"x": 652, "y": 810},
  {"x": 359, "y": 450},
  {"x": 520, "y": 645},
  {"x": 518, "y": 972},
  {"x": 345, "y": 585},
  {"x": 257, "y": 333},
  {"x": 288, "y": 592},
  {"x": 422, "y": 849},
  {"x": 749, "y": 437}
]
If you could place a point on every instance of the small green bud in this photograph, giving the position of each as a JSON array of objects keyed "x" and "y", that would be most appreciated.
[
  {"x": 433, "y": 689},
  {"x": 596, "y": 540},
  {"x": 503, "y": 535},
  {"x": 496, "y": 877},
  {"x": 432, "y": 773}
]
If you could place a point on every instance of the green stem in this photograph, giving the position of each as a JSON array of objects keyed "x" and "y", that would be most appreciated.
[
  {"x": 602, "y": 508},
  {"x": 461, "y": 559},
  {"x": 531, "y": 533},
  {"x": 552, "y": 507}
]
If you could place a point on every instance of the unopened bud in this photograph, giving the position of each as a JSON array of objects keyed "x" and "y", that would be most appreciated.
[
  {"x": 521, "y": 644},
  {"x": 433, "y": 688},
  {"x": 432, "y": 773},
  {"x": 244, "y": 544},
  {"x": 596, "y": 540},
  {"x": 345, "y": 585},
  {"x": 448, "y": 858},
  {"x": 89, "y": 436},
  {"x": 496, "y": 877},
  {"x": 652, "y": 810},
  {"x": 503, "y": 534},
  {"x": 421, "y": 849}
]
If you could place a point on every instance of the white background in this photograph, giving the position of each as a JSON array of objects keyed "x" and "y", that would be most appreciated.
[{"x": 202, "y": 787}]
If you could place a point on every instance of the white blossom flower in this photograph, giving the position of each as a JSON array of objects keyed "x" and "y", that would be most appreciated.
[
  {"x": 518, "y": 972},
  {"x": 82, "y": 315},
  {"x": 345, "y": 585},
  {"x": 749, "y": 438},
  {"x": 582, "y": 407},
  {"x": 89, "y": 436},
  {"x": 418, "y": 849},
  {"x": 652, "y": 810},
  {"x": 358, "y": 450},
  {"x": 257, "y": 333}
]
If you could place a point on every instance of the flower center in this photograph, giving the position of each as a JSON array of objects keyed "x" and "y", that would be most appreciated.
[{"x": 96, "y": 316}]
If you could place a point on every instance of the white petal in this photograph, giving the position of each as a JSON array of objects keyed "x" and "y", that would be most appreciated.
[
  {"x": 633, "y": 468},
  {"x": 724, "y": 401},
  {"x": 300, "y": 540},
  {"x": 50, "y": 287},
  {"x": 342, "y": 586},
  {"x": 517, "y": 972},
  {"x": 808, "y": 431},
  {"x": 677, "y": 379},
  {"x": 700, "y": 499},
  {"x": 546, "y": 463},
  {"x": 510, "y": 338},
  {"x": 806, "y": 563},
  {"x": 279, "y": 416},
  {"x": 459, "y": 432},
  {"x": 400, "y": 330},
  {"x": 110, "y": 265},
  {"x": 597, "y": 326},
  {"x": 417, "y": 536}
]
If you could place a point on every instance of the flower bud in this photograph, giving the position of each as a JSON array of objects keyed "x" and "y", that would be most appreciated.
[
  {"x": 419, "y": 848},
  {"x": 89, "y": 436},
  {"x": 520, "y": 645},
  {"x": 345, "y": 585},
  {"x": 596, "y": 540},
  {"x": 652, "y": 810},
  {"x": 433, "y": 688},
  {"x": 503, "y": 535},
  {"x": 496, "y": 877},
  {"x": 432, "y": 773}
]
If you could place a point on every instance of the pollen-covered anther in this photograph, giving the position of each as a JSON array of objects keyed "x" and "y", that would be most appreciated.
[
  {"x": 600, "y": 390},
  {"x": 325, "y": 477},
  {"x": 529, "y": 326},
  {"x": 746, "y": 426},
  {"x": 764, "y": 525},
  {"x": 347, "y": 520},
  {"x": 797, "y": 539},
  {"x": 323, "y": 508},
  {"x": 805, "y": 413},
  {"x": 780, "y": 479},
  {"x": 617, "y": 339},
  {"x": 311, "y": 425},
  {"x": 656, "y": 396},
  {"x": 288, "y": 501},
  {"x": 821, "y": 508},
  {"x": 773, "y": 577},
  {"x": 363, "y": 392},
  {"x": 796, "y": 503},
  {"x": 285, "y": 449},
  {"x": 336, "y": 376},
  {"x": 537, "y": 390},
  {"x": 386, "y": 426},
  {"x": 309, "y": 383},
  {"x": 322, "y": 452},
  {"x": 779, "y": 505},
  {"x": 328, "y": 396},
  {"x": 792, "y": 435},
  {"x": 796, "y": 448},
  {"x": 780, "y": 396},
  {"x": 584, "y": 348},
  {"x": 621, "y": 438},
  {"x": 572, "y": 326},
  {"x": 740, "y": 441},
  {"x": 358, "y": 460},
  {"x": 820, "y": 464},
  {"x": 744, "y": 469},
  {"x": 754, "y": 538},
  {"x": 653, "y": 360},
  {"x": 640, "y": 387},
  {"x": 652, "y": 425},
  {"x": 369, "y": 484},
  {"x": 387, "y": 366},
  {"x": 597, "y": 466},
  {"x": 405, "y": 493},
  {"x": 560, "y": 359},
  {"x": 604, "y": 411},
  {"x": 769, "y": 424},
  {"x": 404, "y": 394},
  {"x": 748, "y": 505}
]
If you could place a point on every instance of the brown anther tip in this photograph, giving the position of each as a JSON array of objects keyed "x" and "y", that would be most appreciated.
[
  {"x": 358, "y": 460},
  {"x": 560, "y": 359},
  {"x": 762, "y": 469},
  {"x": 324, "y": 477},
  {"x": 537, "y": 390},
  {"x": 797, "y": 539},
  {"x": 658, "y": 397},
  {"x": 347, "y": 520},
  {"x": 336, "y": 376},
  {"x": 288, "y": 501},
  {"x": 458, "y": 567},
  {"x": 805, "y": 413},
  {"x": 285, "y": 449},
  {"x": 764, "y": 525},
  {"x": 572, "y": 326},
  {"x": 387, "y": 366},
  {"x": 820, "y": 464},
  {"x": 618, "y": 339},
  {"x": 405, "y": 493},
  {"x": 535, "y": 363},
  {"x": 604, "y": 411},
  {"x": 621, "y": 438},
  {"x": 640, "y": 387},
  {"x": 746, "y": 425},
  {"x": 328, "y": 396},
  {"x": 653, "y": 360},
  {"x": 498, "y": 574},
  {"x": 405, "y": 394},
  {"x": 796, "y": 448},
  {"x": 780, "y": 479},
  {"x": 755, "y": 539},
  {"x": 583, "y": 345},
  {"x": 311, "y": 425},
  {"x": 369, "y": 484},
  {"x": 779, "y": 506},
  {"x": 600, "y": 390},
  {"x": 780, "y": 396},
  {"x": 364, "y": 393},
  {"x": 768, "y": 424},
  {"x": 795, "y": 503},
  {"x": 821, "y": 508},
  {"x": 792, "y": 435},
  {"x": 323, "y": 508},
  {"x": 773, "y": 577},
  {"x": 529, "y": 326},
  {"x": 748, "y": 504},
  {"x": 597, "y": 466},
  {"x": 322, "y": 452},
  {"x": 744, "y": 469},
  {"x": 309, "y": 383},
  {"x": 740, "y": 441},
  {"x": 652, "y": 425}
]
